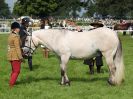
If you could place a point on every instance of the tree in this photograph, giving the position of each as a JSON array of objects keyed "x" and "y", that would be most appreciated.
[
  {"x": 68, "y": 7},
  {"x": 90, "y": 6},
  {"x": 117, "y": 8},
  {"x": 4, "y": 9},
  {"x": 47, "y": 7},
  {"x": 39, "y": 8}
]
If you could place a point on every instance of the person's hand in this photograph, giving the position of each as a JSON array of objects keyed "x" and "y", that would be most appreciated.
[{"x": 22, "y": 60}]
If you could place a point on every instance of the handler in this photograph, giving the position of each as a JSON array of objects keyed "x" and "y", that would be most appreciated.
[
  {"x": 14, "y": 52},
  {"x": 98, "y": 60},
  {"x": 23, "y": 34}
]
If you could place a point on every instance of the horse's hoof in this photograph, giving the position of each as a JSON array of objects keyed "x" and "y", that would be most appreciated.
[
  {"x": 98, "y": 71},
  {"x": 61, "y": 83},
  {"x": 111, "y": 82},
  {"x": 91, "y": 72},
  {"x": 67, "y": 83}
]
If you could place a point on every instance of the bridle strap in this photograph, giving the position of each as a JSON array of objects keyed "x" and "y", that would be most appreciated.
[
  {"x": 31, "y": 40},
  {"x": 29, "y": 48},
  {"x": 33, "y": 43}
]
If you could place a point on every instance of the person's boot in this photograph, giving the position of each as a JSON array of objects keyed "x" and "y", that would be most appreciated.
[
  {"x": 124, "y": 33},
  {"x": 46, "y": 53},
  {"x": 98, "y": 69},
  {"x": 30, "y": 63},
  {"x": 131, "y": 33},
  {"x": 91, "y": 67}
]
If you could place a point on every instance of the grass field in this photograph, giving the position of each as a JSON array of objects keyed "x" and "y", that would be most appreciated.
[{"x": 43, "y": 81}]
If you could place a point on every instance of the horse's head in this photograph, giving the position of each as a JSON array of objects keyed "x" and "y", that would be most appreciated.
[{"x": 30, "y": 44}]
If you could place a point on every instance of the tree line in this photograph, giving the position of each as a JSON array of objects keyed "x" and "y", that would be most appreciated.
[
  {"x": 115, "y": 8},
  {"x": 42, "y": 8},
  {"x": 4, "y": 9}
]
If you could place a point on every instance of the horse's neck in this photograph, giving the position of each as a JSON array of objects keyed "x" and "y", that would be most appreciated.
[
  {"x": 48, "y": 38},
  {"x": 36, "y": 40}
]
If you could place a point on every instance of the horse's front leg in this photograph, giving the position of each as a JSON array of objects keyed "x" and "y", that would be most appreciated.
[{"x": 63, "y": 65}]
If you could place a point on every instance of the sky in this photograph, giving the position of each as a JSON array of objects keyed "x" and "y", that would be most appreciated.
[{"x": 10, "y": 3}]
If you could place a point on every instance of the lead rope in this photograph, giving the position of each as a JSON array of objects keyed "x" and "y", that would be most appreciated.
[{"x": 30, "y": 31}]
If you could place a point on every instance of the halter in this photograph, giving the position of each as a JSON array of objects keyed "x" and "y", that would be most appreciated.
[
  {"x": 31, "y": 40},
  {"x": 31, "y": 49}
]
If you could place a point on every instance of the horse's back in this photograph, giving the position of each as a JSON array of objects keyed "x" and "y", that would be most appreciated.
[
  {"x": 88, "y": 42},
  {"x": 93, "y": 36}
]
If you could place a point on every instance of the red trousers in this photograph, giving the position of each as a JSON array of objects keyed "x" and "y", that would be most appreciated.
[{"x": 16, "y": 65}]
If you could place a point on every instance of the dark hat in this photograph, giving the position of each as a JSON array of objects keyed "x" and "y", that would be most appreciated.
[
  {"x": 25, "y": 20},
  {"x": 15, "y": 25}
]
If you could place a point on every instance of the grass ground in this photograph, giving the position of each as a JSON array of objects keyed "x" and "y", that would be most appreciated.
[{"x": 43, "y": 81}]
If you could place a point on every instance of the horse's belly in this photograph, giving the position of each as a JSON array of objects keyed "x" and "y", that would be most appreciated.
[
  {"x": 81, "y": 48},
  {"x": 82, "y": 53}
]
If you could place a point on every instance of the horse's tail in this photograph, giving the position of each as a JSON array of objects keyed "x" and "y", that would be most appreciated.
[{"x": 118, "y": 61}]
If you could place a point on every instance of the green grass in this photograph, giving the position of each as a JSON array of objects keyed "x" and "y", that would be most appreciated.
[{"x": 43, "y": 81}]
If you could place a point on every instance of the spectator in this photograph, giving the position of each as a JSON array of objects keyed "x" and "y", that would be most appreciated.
[
  {"x": 23, "y": 34},
  {"x": 90, "y": 63}
]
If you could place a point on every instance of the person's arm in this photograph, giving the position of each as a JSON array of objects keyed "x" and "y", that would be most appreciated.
[
  {"x": 17, "y": 47},
  {"x": 22, "y": 32}
]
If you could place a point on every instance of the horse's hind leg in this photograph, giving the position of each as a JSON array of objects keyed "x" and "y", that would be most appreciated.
[
  {"x": 63, "y": 65},
  {"x": 112, "y": 68}
]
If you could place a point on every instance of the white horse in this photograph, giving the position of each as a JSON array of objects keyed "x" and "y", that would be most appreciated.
[{"x": 72, "y": 44}]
